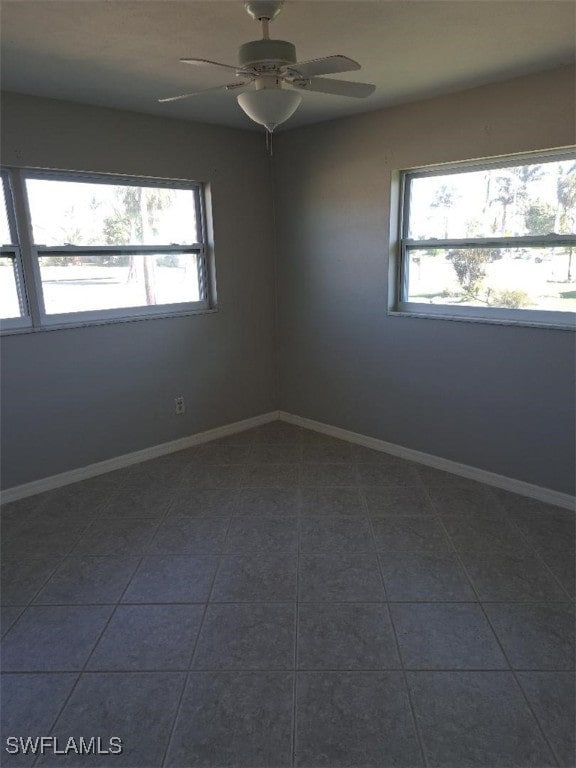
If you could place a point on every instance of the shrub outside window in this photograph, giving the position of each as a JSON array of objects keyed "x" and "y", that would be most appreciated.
[
  {"x": 99, "y": 248},
  {"x": 493, "y": 240}
]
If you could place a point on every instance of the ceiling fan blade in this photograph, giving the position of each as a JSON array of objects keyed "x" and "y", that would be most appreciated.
[
  {"x": 208, "y": 63},
  {"x": 229, "y": 87},
  {"x": 336, "y": 87},
  {"x": 329, "y": 65}
]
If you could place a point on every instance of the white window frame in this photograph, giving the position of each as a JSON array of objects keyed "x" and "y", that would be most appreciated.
[
  {"x": 12, "y": 250},
  {"x": 26, "y": 254},
  {"x": 400, "y": 305},
  {"x": 25, "y": 321}
]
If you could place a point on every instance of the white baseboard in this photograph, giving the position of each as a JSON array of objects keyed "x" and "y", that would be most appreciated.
[
  {"x": 464, "y": 470},
  {"x": 119, "y": 462}
]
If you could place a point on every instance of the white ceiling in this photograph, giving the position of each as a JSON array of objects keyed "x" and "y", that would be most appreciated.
[{"x": 124, "y": 54}]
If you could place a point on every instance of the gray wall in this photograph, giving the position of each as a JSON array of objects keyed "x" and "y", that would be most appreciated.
[
  {"x": 496, "y": 397},
  {"x": 76, "y": 396}
]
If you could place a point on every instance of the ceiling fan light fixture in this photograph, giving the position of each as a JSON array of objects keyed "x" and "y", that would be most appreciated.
[{"x": 269, "y": 107}]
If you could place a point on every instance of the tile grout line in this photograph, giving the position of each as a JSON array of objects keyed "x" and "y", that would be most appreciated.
[
  {"x": 529, "y": 545},
  {"x": 189, "y": 670},
  {"x": 511, "y": 669},
  {"x": 77, "y": 672},
  {"x": 105, "y": 627},
  {"x": 186, "y": 675},
  {"x": 565, "y": 603},
  {"x": 253, "y": 670},
  {"x": 394, "y": 632},
  {"x": 60, "y": 558},
  {"x": 297, "y": 613},
  {"x": 30, "y": 603}
]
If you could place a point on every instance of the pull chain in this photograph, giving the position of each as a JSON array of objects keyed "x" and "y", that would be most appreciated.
[{"x": 269, "y": 142}]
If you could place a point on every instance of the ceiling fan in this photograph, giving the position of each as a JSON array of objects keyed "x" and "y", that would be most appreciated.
[{"x": 271, "y": 78}]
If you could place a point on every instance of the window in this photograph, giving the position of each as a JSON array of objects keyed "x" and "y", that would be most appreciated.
[
  {"x": 98, "y": 248},
  {"x": 493, "y": 240}
]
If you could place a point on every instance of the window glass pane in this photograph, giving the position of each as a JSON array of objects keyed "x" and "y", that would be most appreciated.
[
  {"x": 502, "y": 202},
  {"x": 83, "y": 213},
  {"x": 83, "y": 283},
  {"x": 9, "y": 303},
  {"x": 5, "y": 237},
  {"x": 514, "y": 278}
]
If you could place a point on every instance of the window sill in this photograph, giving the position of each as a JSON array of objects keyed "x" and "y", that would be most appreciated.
[
  {"x": 63, "y": 326},
  {"x": 465, "y": 318}
]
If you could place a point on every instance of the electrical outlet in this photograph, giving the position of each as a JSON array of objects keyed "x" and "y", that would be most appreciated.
[{"x": 180, "y": 405}]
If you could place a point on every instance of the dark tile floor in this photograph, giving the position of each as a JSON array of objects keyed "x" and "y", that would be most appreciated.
[{"x": 283, "y": 598}]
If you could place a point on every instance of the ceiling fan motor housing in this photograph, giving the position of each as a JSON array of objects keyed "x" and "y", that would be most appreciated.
[{"x": 266, "y": 51}]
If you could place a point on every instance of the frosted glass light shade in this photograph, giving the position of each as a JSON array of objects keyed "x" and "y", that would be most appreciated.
[{"x": 270, "y": 106}]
